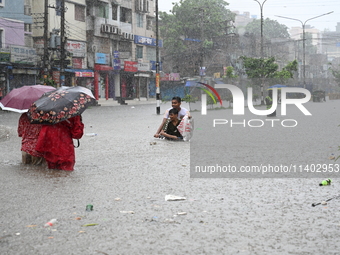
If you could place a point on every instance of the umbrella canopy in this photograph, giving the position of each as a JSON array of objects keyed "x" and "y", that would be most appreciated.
[
  {"x": 20, "y": 99},
  {"x": 278, "y": 86},
  {"x": 60, "y": 105}
]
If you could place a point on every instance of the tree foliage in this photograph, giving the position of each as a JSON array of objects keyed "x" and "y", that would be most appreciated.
[
  {"x": 261, "y": 68},
  {"x": 230, "y": 72},
  {"x": 201, "y": 20},
  {"x": 336, "y": 74},
  {"x": 271, "y": 29}
]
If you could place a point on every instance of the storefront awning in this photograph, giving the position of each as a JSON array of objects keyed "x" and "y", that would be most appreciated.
[{"x": 81, "y": 72}]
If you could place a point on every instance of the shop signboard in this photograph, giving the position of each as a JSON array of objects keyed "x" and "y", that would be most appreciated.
[
  {"x": 78, "y": 49},
  {"x": 84, "y": 74},
  {"x": 77, "y": 63},
  {"x": 144, "y": 67},
  {"x": 130, "y": 66},
  {"x": 5, "y": 55},
  {"x": 116, "y": 54},
  {"x": 116, "y": 61},
  {"x": 171, "y": 77},
  {"x": 147, "y": 41},
  {"x": 23, "y": 55},
  {"x": 56, "y": 77},
  {"x": 102, "y": 58},
  {"x": 116, "y": 64}
]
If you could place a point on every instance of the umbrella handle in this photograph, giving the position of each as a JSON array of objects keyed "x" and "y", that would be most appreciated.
[{"x": 78, "y": 144}]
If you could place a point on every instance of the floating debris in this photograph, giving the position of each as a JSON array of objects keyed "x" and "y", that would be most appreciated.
[
  {"x": 90, "y": 224},
  {"x": 174, "y": 198},
  {"x": 130, "y": 212}
]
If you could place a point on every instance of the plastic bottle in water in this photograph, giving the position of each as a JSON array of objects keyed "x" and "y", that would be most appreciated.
[
  {"x": 50, "y": 223},
  {"x": 325, "y": 182}
]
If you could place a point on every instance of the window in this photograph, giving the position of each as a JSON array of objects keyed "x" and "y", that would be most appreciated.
[
  {"x": 149, "y": 22},
  {"x": 79, "y": 12},
  {"x": 58, "y": 7},
  {"x": 28, "y": 27},
  {"x": 142, "y": 6},
  {"x": 150, "y": 53},
  {"x": 114, "y": 11},
  {"x": 125, "y": 15},
  {"x": 139, "y": 52},
  {"x": 2, "y": 3},
  {"x": 103, "y": 10},
  {"x": 139, "y": 19}
]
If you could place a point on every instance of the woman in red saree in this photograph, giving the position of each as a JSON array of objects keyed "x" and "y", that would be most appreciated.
[
  {"x": 29, "y": 134},
  {"x": 56, "y": 144}
]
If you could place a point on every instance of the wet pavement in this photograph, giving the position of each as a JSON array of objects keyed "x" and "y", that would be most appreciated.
[{"x": 125, "y": 174}]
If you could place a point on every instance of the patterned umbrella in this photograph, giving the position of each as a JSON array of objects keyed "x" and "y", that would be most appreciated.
[
  {"x": 20, "y": 99},
  {"x": 60, "y": 105}
]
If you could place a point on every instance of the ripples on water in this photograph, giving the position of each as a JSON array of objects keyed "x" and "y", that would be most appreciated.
[{"x": 224, "y": 216}]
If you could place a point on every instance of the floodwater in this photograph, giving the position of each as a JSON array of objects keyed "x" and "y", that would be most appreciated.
[{"x": 123, "y": 169}]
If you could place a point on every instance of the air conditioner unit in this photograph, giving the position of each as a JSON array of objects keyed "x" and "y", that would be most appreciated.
[
  {"x": 126, "y": 35},
  {"x": 132, "y": 37},
  {"x": 105, "y": 28},
  {"x": 113, "y": 30},
  {"x": 119, "y": 31}
]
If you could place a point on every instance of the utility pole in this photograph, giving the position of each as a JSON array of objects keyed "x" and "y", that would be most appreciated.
[
  {"x": 303, "y": 24},
  {"x": 261, "y": 8},
  {"x": 158, "y": 95},
  {"x": 202, "y": 69},
  {"x": 62, "y": 44},
  {"x": 45, "y": 57}
]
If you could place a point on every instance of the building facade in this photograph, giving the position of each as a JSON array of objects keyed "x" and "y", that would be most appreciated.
[
  {"x": 74, "y": 27},
  {"x": 122, "y": 47},
  {"x": 110, "y": 45},
  {"x": 17, "y": 56}
]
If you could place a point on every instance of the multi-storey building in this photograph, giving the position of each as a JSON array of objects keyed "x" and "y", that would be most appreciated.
[
  {"x": 17, "y": 57},
  {"x": 74, "y": 27},
  {"x": 330, "y": 43},
  {"x": 110, "y": 45},
  {"x": 122, "y": 47}
]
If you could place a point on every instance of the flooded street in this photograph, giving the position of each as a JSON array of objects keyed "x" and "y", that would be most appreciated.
[{"x": 125, "y": 174}]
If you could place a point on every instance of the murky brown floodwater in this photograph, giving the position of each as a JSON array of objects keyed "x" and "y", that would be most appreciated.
[{"x": 119, "y": 171}]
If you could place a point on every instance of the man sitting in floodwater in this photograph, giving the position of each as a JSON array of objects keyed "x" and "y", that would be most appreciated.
[
  {"x": 170, "y": 131},
  {"x": 176, "y": 104}
]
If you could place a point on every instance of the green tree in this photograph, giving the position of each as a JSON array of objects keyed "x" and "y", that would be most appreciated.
[
  {"x": 336, "y": 74},
  {"x": 230, "y": 72},
  {"x": 200, "y": 21},
  {"x": 287, "y": 72},
  {"x": 271, "y": 29},
  {"x": 262, "y": 68},
  {"x": 259, "y": 67}
]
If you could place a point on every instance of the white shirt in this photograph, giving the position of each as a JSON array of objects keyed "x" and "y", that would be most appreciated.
[{"x": 181, "y": 113}]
